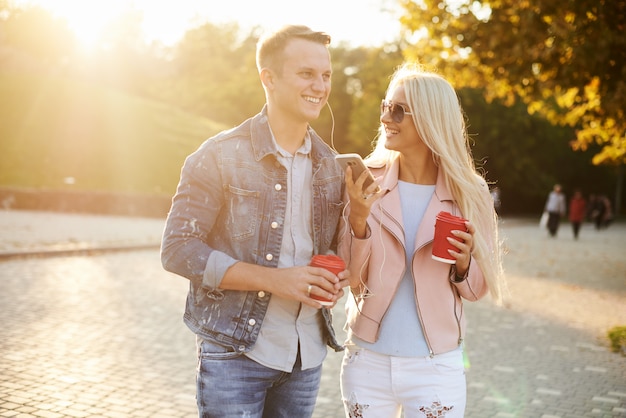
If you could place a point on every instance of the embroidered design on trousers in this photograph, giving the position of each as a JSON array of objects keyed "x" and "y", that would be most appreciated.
[
  {"x": 435, "y": 410},
  {"x": 355, "y": 409}
]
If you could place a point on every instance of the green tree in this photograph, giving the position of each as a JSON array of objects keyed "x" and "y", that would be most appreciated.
[
  {"x": 36, "y": 33},
  {"x": 567, "y": 60},
  {"x": 369, "y": 80},
  {"x": 213, "y": 74},
  {"x": 526, "y": 155},
  {"x": 359, "y": 80}
]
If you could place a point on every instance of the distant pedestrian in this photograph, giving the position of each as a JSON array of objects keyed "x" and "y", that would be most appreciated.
[
  {"x": 603, "y": 212},
  {"x": 495, "y": 195},
  {"x": 556, "y": 208},
  {"x": 592, "y": 204},
  {"x": 577, "y": 211}
]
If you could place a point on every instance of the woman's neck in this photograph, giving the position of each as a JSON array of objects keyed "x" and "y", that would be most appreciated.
[{"x": 418, "y": 170}]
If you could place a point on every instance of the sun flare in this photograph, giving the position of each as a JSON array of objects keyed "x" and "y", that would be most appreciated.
[
  {"x": 86, "y": 19},
  {"x": 86, "y": 22},
  {"x": 90, "y": 20},
  {"x": 167, "y": 22}
]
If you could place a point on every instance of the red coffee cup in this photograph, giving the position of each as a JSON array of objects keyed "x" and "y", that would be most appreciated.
[
  {"x": 444, "y": 224},
  {"x": 330, "y": 262}
]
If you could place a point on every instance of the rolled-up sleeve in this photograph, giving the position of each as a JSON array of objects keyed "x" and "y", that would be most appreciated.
[{"x": 216, "y": 267}]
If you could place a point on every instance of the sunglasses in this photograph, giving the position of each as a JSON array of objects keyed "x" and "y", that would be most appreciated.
[{"x": 397, "y": 110}]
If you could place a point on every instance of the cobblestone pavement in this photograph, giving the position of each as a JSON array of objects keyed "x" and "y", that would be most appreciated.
[{"x": 102, "y": 335}]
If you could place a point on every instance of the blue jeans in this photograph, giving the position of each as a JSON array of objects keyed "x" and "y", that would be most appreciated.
[{"x": 235, "y": 387}]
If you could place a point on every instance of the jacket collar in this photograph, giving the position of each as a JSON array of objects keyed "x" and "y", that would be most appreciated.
[
  {"x": 390, "y": 181},
  {"x": 263, "y": 144},
  {"x": 261, "y": 136},
  {"x": 388, "y": 209}
]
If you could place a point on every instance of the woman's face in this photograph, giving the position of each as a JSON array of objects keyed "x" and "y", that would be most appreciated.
[{"x": 400, "y": 136}]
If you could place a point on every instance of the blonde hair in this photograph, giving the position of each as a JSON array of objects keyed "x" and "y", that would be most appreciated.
[{"x": 440, "y": 123}]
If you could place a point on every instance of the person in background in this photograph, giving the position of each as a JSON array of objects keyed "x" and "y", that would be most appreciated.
[
  {"x": 592, "y": 204},
  {"x": 253, "y": 205},
  {"x": 596, "y": 210},
  {"x": 495, "y": 195},
  {"x": 605, "y": 212},
  {"x": 405, "y": 320},
  {"x": 577, "y": 211},
  {"x": 556, "y": 208}
]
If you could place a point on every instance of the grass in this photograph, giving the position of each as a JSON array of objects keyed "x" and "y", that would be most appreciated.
[
  {"x": 617, "y": 336},
  {"x": 53, "y": 130}
]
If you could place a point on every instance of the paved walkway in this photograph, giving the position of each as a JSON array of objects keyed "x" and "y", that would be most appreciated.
[
  {"x": 99, "y": 334},
  {"x": 48, "y": 233}
]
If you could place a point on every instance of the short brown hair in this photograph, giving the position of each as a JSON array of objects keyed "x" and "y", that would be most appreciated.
[{"x": 271, "y": 46}]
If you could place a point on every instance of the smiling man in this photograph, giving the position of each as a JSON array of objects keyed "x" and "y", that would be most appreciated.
[{"x": 252, "y": 207}]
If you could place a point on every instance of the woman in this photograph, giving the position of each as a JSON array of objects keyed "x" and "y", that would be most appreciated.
[
  {"x": 406, "y": 322},
  {"x": 577, "y": 211}
]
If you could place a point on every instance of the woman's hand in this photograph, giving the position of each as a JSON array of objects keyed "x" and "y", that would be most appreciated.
[
  {"x": 465, "y": 247},
  {"x": 361, "y": 201}
]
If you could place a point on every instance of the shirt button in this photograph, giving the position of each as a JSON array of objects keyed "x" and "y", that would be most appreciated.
[
  {"x": 269, "y": 257},
  {"x": 261, "y": 294},
  {"x": 274, "y": 225},
  {"x": 278, "y": 187},
  {"x": 251, "y": 322},
  {"x": 242, "y": 348}
]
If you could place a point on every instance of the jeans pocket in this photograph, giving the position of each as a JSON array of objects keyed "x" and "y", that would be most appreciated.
[
  {"x": 449, "y": 365},
  {"x": 213, "y": 351}
]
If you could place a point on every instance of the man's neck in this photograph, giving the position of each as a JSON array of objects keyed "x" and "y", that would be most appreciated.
[{"x": 288, "y": 134}]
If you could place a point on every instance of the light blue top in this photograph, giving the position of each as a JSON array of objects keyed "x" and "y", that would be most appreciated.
[{"x": 401, "y": 331}]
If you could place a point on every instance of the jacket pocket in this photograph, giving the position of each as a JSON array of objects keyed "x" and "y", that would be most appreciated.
[{"x": 242, "y": 209}]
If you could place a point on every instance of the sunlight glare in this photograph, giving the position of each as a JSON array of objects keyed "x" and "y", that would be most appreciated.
[
  {"x": 87, "y": 19},
  {"x": 167, "y": 22},
  {"x": 86, "y": 24}
]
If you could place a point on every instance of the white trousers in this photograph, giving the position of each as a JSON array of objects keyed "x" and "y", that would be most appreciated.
[{"x": 375, "y": 385}]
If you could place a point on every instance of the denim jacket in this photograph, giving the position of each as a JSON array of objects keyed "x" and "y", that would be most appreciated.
[{"x": 229, "y": 206}]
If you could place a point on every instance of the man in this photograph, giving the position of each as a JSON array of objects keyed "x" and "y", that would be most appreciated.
[{"x": 253, "y": 205}]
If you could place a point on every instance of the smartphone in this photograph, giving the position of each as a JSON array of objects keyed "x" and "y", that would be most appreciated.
[{"x": 355, "y": 162}]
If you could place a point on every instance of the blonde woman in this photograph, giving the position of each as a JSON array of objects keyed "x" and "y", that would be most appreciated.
[{"x": 406, "y": 322}]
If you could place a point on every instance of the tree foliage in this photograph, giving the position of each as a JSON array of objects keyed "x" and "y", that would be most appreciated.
[
  {"x": 526, "y": 155},
  {"x": 567, "y": 60},
  {"x": 371, "y": 71},
  {"x": 212, "y": 73},
  {"x": 35, "y": 32}
]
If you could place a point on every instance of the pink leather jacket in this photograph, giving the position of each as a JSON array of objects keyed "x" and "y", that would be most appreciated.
[{"x": 379, "y": 260}]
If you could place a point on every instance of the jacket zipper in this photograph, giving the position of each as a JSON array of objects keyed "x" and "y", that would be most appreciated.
[
  {"x": 431, "y": 353},
  {"x": 419, "y": 313},
  {"x": 400, "y": 241}
]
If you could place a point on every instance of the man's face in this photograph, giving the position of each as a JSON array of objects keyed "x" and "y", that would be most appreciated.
[{"x": 302, "y": 88}]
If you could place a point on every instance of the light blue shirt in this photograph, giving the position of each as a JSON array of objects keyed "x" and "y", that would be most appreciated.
[
  {"x": 401, "y": 330},
  {"x": 287, "y": 323}
]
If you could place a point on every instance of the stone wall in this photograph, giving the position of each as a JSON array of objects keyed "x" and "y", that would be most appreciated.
[{"x": 102, "y": 203}]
